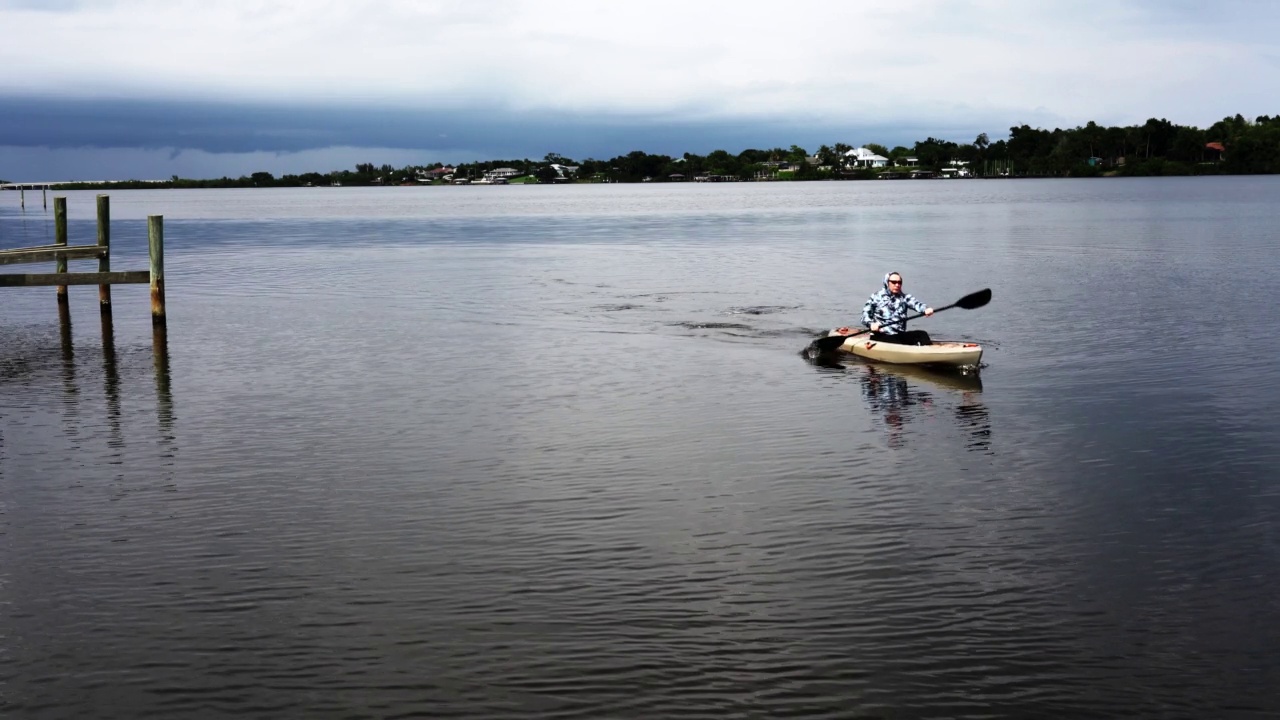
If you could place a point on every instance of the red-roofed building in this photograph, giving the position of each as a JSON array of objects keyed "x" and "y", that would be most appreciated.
[{"x": 1215, "y": 151}]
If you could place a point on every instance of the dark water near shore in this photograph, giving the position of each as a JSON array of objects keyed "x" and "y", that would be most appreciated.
[{"x": 552, "y": 451}]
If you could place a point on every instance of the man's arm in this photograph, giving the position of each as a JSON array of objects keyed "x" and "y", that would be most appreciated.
[{"x": 868, "y": 311}]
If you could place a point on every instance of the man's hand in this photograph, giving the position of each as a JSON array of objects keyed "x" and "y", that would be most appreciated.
[
  {"x": 928, "y": 311},
  {"x": 875, "y": 327}
]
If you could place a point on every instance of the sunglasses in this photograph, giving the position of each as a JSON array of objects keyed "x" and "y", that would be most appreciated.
[{"x": 895, "y": 282}]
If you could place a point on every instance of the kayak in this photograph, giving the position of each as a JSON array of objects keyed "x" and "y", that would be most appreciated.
[{"x": 952, "y": 353}]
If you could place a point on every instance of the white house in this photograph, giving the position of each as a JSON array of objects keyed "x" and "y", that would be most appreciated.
[
  {"x": 862, "y": 157},
  {"x": 564, "y": 172}
]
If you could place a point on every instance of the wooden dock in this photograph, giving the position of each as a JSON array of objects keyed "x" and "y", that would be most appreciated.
[{"x": 61, "y": 252}]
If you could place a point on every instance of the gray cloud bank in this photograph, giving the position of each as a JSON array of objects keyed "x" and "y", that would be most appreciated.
[{"x": 276, "y": 137}]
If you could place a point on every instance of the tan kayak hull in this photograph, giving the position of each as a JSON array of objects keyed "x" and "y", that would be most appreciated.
[{"x": 941, "y": 352}]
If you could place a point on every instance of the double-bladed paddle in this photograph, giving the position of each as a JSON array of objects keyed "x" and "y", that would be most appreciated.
[{"x": 972, "y": 301}]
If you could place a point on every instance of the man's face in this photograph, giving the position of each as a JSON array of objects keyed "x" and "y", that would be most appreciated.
[{"x": 895, "y": 284}]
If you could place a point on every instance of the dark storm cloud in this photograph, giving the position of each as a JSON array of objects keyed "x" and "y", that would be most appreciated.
[{"x": 243, "y": 128}]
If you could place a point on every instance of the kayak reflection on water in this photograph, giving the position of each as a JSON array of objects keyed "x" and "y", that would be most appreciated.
[
  {"x": 902, "y": 393},
  {"x": 890, "y": 395}
]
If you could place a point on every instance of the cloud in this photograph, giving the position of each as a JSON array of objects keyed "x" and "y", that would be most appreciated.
[
  {"x": 697, "y": 60},
  {"x": 179, "y": 138},
  {"x": 45, "y": 6},
  {"x": 43, "y": 164},
  {"x": 244, "y": 127}
]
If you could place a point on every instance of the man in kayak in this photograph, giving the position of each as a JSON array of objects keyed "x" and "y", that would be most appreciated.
[{"x": 886, "y": 314}]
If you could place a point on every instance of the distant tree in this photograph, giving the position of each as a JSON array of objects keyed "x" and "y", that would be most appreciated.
[
  {"x": 1025, "y": 144},
  {"x": 806, "y": 171},
  {"x": 1254, "y": 149},
  {"x": 1188, "y": 145},
  {"x": 720, "y": 162},
  {"x": 1157, "y": 135},
  {"x": 935, "y": 153},
  {"x": 827, "y": 156},
  {"x": 840, "y": 149}
]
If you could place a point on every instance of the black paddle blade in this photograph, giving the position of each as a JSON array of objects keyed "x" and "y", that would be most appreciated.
[
  {"x": 972, "y": 301},
  {"x": 827, "y": 344}
]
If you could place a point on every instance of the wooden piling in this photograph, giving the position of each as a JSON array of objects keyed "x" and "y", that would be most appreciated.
[
  {"x": 104, "y": 242},
  {"x": 60, "y": 238},
  {"x": 44, "y": 197},
  {"x": 155, "y": 247},
  {"x": 22, "y": 196}
]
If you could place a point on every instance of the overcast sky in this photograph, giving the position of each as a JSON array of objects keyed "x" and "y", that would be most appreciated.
[{"x": 113, "y": 89}]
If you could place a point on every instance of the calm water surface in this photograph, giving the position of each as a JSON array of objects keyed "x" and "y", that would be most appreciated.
[{"x": 552, "y": 451}]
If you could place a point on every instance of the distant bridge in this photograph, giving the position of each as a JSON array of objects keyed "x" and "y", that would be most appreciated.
[{"x": 50, "y": 183}]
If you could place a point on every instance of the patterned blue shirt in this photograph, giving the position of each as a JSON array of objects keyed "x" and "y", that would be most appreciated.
[{"x": 890, "y": 310}]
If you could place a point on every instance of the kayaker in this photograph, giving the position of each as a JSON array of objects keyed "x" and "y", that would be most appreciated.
[{"x": 886, "y": 314}]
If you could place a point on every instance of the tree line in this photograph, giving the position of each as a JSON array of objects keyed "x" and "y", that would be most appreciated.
[{"x": 1232, "y": 145}]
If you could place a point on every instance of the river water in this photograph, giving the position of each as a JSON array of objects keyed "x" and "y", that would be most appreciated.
[{"x": 553, "y": 451}]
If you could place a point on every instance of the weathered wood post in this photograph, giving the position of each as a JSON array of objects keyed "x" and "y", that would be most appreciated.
[
  {"x": 104, "y": 242},
  {"x": 60, "y": 238},
  {"x": 44, "y": 197},
  {"x": 159, "y": 329},
  {"x": 22, "y": 196},
  {"x": 155, "y": 246}
]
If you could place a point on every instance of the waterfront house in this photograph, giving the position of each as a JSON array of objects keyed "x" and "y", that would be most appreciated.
[{"x": 862, "y": 157}]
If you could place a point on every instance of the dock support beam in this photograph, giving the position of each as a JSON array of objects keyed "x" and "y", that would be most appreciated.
[
  {"x": 104, "y": 242},
  {"x": 155, "y": 246}
]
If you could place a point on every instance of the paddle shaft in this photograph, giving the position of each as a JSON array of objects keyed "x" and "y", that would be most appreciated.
[{"x": 917, "y": 316}]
